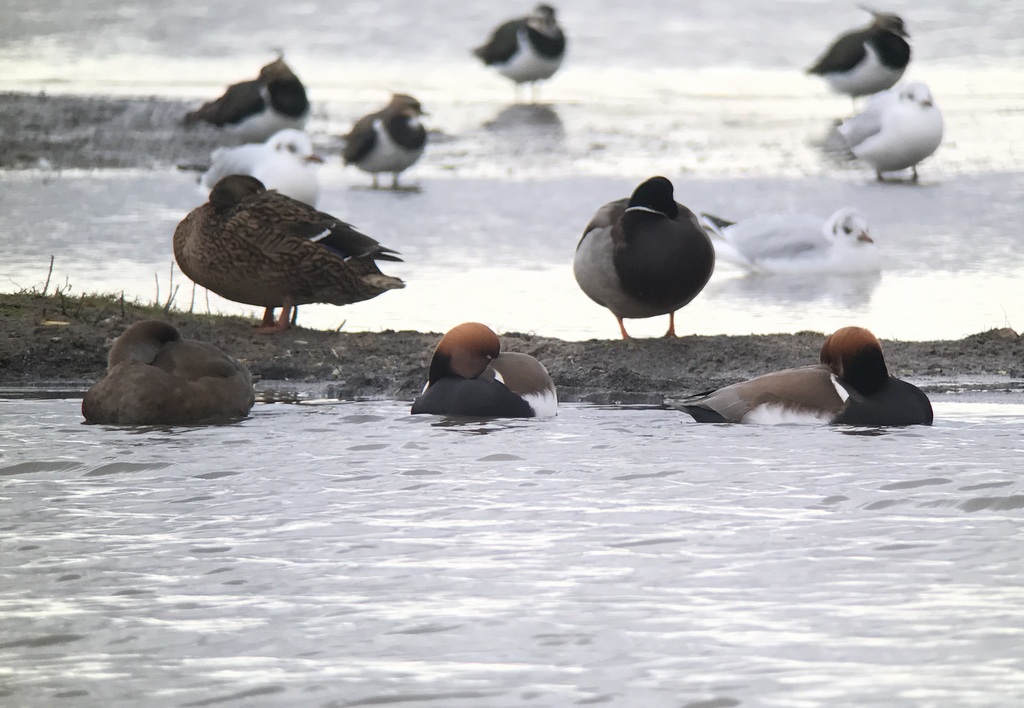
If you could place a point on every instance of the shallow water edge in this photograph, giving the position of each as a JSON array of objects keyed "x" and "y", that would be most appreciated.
[{"x": 61, "y": 344}]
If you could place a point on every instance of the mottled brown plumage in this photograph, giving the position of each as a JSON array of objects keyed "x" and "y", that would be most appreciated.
[{"x": 260, "y": 247}]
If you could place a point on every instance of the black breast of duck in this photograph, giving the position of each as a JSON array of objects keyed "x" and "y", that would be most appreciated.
[
  {"x": 470, "y": 376},
  {"x": 851, "y": 385},
  {"x": 644, "y": 256}
]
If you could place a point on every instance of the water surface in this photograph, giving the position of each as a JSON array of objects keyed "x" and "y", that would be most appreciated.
[{"x": 351, "y": 554}]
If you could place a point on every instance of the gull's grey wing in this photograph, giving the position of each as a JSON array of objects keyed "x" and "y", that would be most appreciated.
[{"x": 777, "y": 236}]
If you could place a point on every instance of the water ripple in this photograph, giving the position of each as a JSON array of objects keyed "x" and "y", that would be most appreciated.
[{"x": 608, "y": 556}]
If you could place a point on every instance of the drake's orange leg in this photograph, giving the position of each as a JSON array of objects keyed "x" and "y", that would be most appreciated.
[
  {"x": 671, "y": 325},
  {"x": 622, "y": 328}
]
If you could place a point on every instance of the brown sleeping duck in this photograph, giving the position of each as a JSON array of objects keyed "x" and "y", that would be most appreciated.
[{"x": 154, "y": 377}]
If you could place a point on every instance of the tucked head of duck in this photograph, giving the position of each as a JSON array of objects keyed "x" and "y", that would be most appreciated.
[
  {"x": 854, "y": 355},
  {"x": 464, "y": 351},
  {"x": 654, "y": 195},
  {"x": 142, "y": 342},
  {"x": 233, "y": 189}
]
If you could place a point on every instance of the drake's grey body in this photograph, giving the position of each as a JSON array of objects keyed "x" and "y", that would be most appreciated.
[
  {"x": 851, "y": 386},
  {"x": 643, "y": 257}
]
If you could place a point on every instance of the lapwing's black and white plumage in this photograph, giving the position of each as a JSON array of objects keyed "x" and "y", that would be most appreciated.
[
  {"x": 255, "y": 110},
  {"x": 526, "y": 49},
  {"x": 644, "y": 256},
  {"x": 390, "y": 140},
  {"x": 866, "y": 60}
]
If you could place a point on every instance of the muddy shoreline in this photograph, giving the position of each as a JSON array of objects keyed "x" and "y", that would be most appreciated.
[
  {"x": 60, "y": 343},
  {"x": 44, "y": 131}
]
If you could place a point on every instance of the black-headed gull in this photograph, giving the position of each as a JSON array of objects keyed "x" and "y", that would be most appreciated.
[
  {"x": 896, "y": 130},
  {"x": 285, "y": 162},
  {"x": 796, "y": 243}
]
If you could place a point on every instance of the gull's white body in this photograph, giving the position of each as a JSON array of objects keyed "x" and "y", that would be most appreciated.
[
  {"x": 797, "y": 243},
  {"x": 284, "y": 162},
  {"x": 896, "y": 130}
]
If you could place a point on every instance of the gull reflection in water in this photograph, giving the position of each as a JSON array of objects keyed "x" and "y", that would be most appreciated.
[{"x": 847, "y": 290}]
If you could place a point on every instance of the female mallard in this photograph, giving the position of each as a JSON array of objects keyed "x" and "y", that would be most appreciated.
[
  {"x": 470, "y": 375},
  {"x": 260, "y": 247},
  {"x": 154, "y": 377},
  {"x": 644, "y": 256}
]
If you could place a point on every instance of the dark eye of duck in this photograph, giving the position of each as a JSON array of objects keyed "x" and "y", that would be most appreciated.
[{"x": 846, "y": 229}]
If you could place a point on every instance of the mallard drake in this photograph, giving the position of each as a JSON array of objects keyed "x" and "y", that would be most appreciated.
[
  {"x": 526, "y": 49},
  {"x": 260, "y": 247},
  {"x": 390, "y": 140},
  {"x": 257, "y": 109},
  {"x": 851, "y": 385},
  {"x": 644, "y": 256},
  {"x": 866, "y": 60},
  {"x": 154, "y": 377},
  {"x": 469, "y": 375}
]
